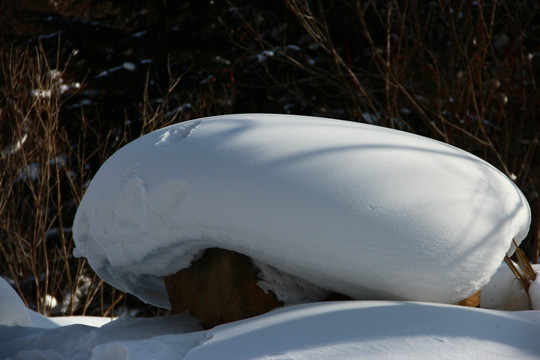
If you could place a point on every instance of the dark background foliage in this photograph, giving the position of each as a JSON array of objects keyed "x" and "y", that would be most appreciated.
[{"x": 79, "y": 79}]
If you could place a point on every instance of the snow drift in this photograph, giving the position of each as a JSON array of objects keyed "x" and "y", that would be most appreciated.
[
  {"x": 366, "y": 211},
  {"x": 13, "y": 311},
  {"x": 331, "y": 330}
]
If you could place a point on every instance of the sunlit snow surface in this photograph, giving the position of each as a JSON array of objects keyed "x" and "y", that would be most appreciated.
[
  {"x": 505, "y": 292},
  {"x": 338, "y": 330},
  {"x": 362, "y": 210}
]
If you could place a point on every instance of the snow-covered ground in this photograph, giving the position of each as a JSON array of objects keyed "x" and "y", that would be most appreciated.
[
  {"x": 331, "y": 330},
  {"x": 358, "y": 209}
]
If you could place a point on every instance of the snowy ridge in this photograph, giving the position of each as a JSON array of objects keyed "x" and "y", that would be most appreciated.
[{"x": 369, "y": 212}]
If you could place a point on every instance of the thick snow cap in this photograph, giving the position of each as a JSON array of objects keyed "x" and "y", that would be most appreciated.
[{"x": 366, "y": 211}]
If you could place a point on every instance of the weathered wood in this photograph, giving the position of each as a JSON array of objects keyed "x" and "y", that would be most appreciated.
[
  {"x": 219, "y": 287},
  {"x": 471, "y": 301}
]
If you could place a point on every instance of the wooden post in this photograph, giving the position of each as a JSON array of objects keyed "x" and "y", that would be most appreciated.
[{"x": 219, "y": 287}]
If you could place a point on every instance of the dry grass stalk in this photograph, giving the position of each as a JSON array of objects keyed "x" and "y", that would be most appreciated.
[
  {"x": 44, "y": 175},
  {"x": 527, "y": 273},
  {"x": 515, "y": 271},
  {"x": 525, "y": 266},
  {"x": 42, "y": 180}
]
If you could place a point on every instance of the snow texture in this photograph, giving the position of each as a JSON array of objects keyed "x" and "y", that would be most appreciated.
[
  {"x": 288, "y": 288},
  {"x": 534, "y": 290},
  {"x": 504, "y": 291},
  {"x": 124, "y": 338},
  {"x": 13, "y": 312},
  {"x": 366, "y": 211},
  {"x": 332, "y": 330},
  {"x": 376, "y": 330},
  {"x": 12, "y": 309}
]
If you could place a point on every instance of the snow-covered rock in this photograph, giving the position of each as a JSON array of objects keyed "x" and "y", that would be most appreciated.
[{"x": 362, "y": 210}]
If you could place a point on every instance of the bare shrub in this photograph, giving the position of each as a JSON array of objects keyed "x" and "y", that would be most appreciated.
[
  {"x": 461, "y": 72},
  {"x": 35, "y": 246},
  {"x": 47, "y": 162}
]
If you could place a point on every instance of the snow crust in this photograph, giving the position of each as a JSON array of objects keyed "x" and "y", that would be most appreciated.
[
  {"x": 366, "y": 211},
  {"x": 332, "y": 330}
]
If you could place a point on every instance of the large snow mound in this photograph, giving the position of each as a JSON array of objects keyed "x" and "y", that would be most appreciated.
[{"x": 362, "y": 210}]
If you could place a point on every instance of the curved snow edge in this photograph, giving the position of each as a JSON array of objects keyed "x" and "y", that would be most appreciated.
[{"x": 324, "y": 200}]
